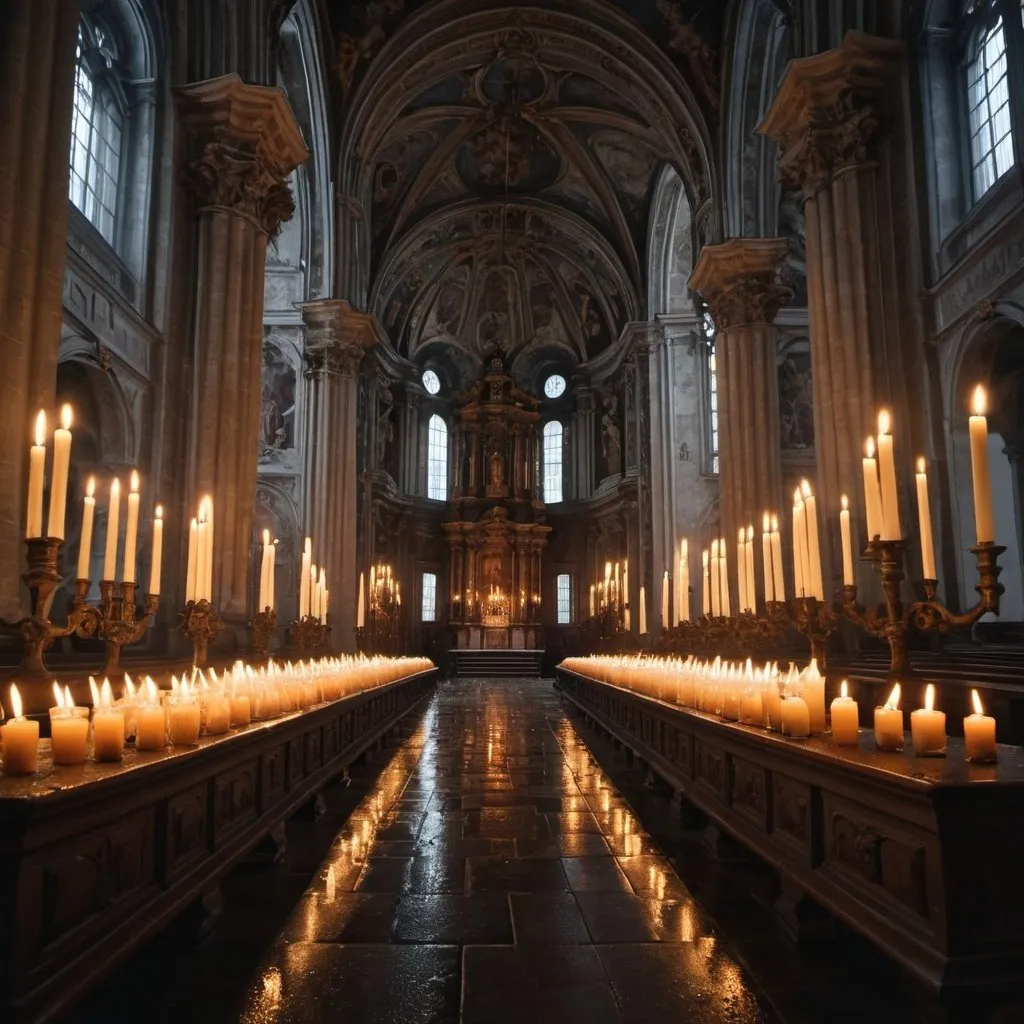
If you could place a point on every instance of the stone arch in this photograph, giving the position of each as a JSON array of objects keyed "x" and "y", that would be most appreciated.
[{"x": 670, "y": 254}]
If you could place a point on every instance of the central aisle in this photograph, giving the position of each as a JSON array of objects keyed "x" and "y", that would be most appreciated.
[{"x": 495, "y": 874}]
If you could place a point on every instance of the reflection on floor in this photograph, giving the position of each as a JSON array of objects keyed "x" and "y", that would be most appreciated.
[{"x": 496, "y": 873}]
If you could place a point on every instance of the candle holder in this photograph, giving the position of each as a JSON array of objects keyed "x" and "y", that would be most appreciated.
[
  {"x": 931, "y": 615},
  {"x": 817, "y": 621},
  {"x": 308, "y": 635},
  {"x": 262, "y": 626},
  {"x": 116, "y": 620},
  {"x": 201, "y": 624}
]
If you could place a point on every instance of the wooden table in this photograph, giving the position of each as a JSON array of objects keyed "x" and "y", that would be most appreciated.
[
  {"x": 96, "y": 858},
  {"x": 923, "y": 856}
]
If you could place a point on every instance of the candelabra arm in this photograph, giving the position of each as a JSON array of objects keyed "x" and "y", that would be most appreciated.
[{"x": 931, "y": 615}]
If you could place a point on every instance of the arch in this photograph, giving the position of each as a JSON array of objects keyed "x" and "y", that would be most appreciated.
[
  {"x": 553, "y": 439},
  {"x": 437, "y": 458},
  {"x": 670, "y": 250}
]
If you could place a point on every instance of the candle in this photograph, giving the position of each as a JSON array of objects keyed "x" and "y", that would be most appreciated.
[
  {"x": 643, "y": 610},
  {"x": 872, "y": 492},
  {"x": 889, "y": 722},
  {"x": 795, "y": 719},
  {"x": 799, "y": 547},
  {"x": 85, "y": 545},
  {"x": 716, "y": 580},
  {"x": 61, "y": 468},
  {"x": 766, "y": 558},
  {"x": 151, "y": 721},
  {"x": 845, "y": 719},
  {"x": 113, "y": 514},
  {"x": 928, "y": 727},
  {"x": 131, "y": 532},
  {"x": 107, "y": 724},
  {"x": 307, "y": 561},
  {"x": 218, "y": 714},
  {"x": 887, "y": 480},
  {"x": 664, "y": 601},
  {"x": 979, "y": 733},
  {"x": 751, "y": 581},
  {"x": 263, "y": 601},
  {"x": 20, "y": 740},
  {"x": 206, "y": 513},
  {"x": 812, "y": 688},
  {"x": 847, "y": 542},
  {"x": 726, "y": 608},
  {"x": 751, "y": 707},
  {"x": 924, "y": 519},
  {"x": 773, "y": 706},
  {"x": 978, "y": 427},
  {"x": 780, "y": 582},
  {"x": 741, "y": 569},
  {"x": 156, "y": 562},
  {"x": 705, "y": 594},
  {"x": 69, "y": 736},
  {"x": 272, "y": 558},
  {"x": 813, "y": 547},
  {"x": 36, "y": 471},
  {"x": 183, "y": 720},
  {"x": 361, "y": 611},
  {"x": 241, "y": 712},
  {"x": 193, "y": 558},
  {"x": 684, "y": 580},
  {"x": 321, "y": 601}
]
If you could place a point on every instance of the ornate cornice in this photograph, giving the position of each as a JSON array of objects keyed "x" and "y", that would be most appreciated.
[
  {"x": 337, "y": 337},
  {"x": 739, "y": 280}
]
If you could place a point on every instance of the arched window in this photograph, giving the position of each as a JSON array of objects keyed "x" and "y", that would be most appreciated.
[
  {"x": 988, "y": 96},
  {"x": 428, "y": 607},
  {"x": 97, "y": 120},
  {"x": 708, "y": 330},
  {"x": 437, "y": 459},
  {"x": 552, "y": 462}
]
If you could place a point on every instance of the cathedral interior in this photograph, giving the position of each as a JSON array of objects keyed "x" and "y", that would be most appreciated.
[{"x": 533, "y": 510}]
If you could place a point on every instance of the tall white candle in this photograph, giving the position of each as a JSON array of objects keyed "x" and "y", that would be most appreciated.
[
  {"x": 307, "y": 561},
  {"x": 193, "y": 559},
  {"x": 322, "y": 594},
  {"x": 780, "y": 579},
  {"x": 36, "y": 472},
  {"x": 131, "y": 532},
  {"x": 751, "y": 577},
  {"x": 724, "y": 567},
  {"x": 643, "y": 610},
  {"x": 978, "y": 426},
  {"x": 887, "y": 480},
  {"x": 813, "y": 546},
  {"x": 705, "y": 585},
  {"x": 201, "y": 561},
  {"x": 872, "y": 491},
  {"x": 273, "y": 575},
  {"x": 847, "y": 542},
  {"x": 113, "y": 517},
  {"x": 716, "y": 579},
  {"x": 799, "y": 546},
  {"x": 684, "y": 580},
  {"x": 207, "y": 510},
  {"x": 741, "y": 569},
  {"x": 664, "y": 602},
  {"x": 264, "y": 587},
  {"x": 361, "y": 606},
  {"x": 61, "y": 469},
  {"x": 88, "y": 515},
  {"x": 924, "y": 519},
  {"x": 156, "y": 564},
  {"x": 766, "y": 558}
]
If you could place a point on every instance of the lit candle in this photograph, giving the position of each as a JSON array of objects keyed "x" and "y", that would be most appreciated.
[
  {"x": 201, "y": 552},
  {"x": 206, "y": 513},
  {"x": 523, "y": 600},
  {"x": 924, "y": 518},
  {"x": 113, "y": 516},
  {"x": 263, "y": 600},
  {"x": 889, "y": 722},
  {"x": 131, "y": 533},
  {"x": 273, "y": 575},
  {"x": 156, "y": 562},
  {"x": 241, "y": 712},
  {"x": 684, "y": 580},
  {"x": 979, "y": 733},
  {"x": 751, "y": 707},
  {"x": 887, "y": 480},
  {"x": 751, "y": 580},
  {"x": 726, "y": 608},
  {"x": 780, "y": 581},
  {"x": 664, "y": 601},
  {"x": 795, "y": 719},
  {"x": 321, "y": 586},
  {"x": 705, "y": 595},
  {"x": 151, "y": 721},
  {"x": 36, "y": 472},
  {"x": 872, "y": 491},
  {"x": 812, "y": 689},
  {"x": 845, "y": 719},
  {"x": 88, "y": 514},
  {"x": 799, "y": 547},
  {"x": 643, "y": 610},
  {"x": 716, "y": 579},
  {"x": 218, "y": 713},
  {"x": 741, "y": 569},
  {"x": 107, "y": 725},
  {"x": 766, "y": 558},
  {"x": 813, "y": 546},
  {"x": 928, "y": 727},
  {"x": 307, "y": 561},
  {"x": 61, "y": 470},
  {"x": 20, "y": 740},
  {"x": 847, "y": 542},
  {"x": 978, "y": 425},
  {"x": 69, "y": 731},
  {"x": 183, "y": 719},
  {"x": 193, "y": 558},
  {"x": 361, "y": 605}
]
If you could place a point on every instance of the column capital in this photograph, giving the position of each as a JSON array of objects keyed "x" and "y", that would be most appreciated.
[
  {"x": 824, "y": 116},
  {"x": 739, "y": 280},
  {"x": 337, "y": 336},
  {"x": 244, "y": 144}
]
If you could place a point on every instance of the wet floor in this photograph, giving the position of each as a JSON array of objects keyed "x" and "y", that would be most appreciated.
[{"x": 495, "y": 873}]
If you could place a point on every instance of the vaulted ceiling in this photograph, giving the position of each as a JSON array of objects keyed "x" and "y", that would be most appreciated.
[{"x": 504, "y": 160}]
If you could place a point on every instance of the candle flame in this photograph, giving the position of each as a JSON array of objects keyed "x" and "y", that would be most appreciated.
[
  {"x": 714, "y": 548},
  {"x": 742, "y": 535},
  {"x": 58, "y": 694},
  {"x": 929, "y": 697},
  {"x": 844, "y": 690},
  {"x": 805, "y": 489},
  {"x": 893, "y": 701},
  {"x": 884, "y": 422},
  {"x": 94, "y": 690},
  {"x": 797, "y": 497},
  {"x": 750, "y": 533},
  {"x": 766, "y": 523},
  {"x": 869, "y": 447},
  {"x": 65, "y": 416},
  {"x": 266, "y": 537},
  {"x": 16, "y": 708},
  {"x": 976, "y": 703},
  {"x": 704, "y": 557},
  {"x": 115, "y": 486},
  {"x": 979, "y": 401},
  {"x": 41, "y": 429},
  {"x": 845, "y": 502},
  {"x": 158, "y": 512},
  {"x": 68, "y": 702},
  {"x": 106, "y": 694},
  {"x": 90, "y": 487},
  {"x": 775, "y": 524},
  {"x": 134, "y": 484}
]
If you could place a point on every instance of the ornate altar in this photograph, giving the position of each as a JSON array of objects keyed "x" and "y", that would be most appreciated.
[{"x": 496, "y": 533}]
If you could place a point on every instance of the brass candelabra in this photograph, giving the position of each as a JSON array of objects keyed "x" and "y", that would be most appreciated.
[
  {"x": 115, "y": 619},
  {"x": 201, "y": 624},
  {"x": 890, "y": 621},
  {"x": 262, "y": 627},
  {"x": 816, "y": 621},
  {"x": 308, "y": 636}
]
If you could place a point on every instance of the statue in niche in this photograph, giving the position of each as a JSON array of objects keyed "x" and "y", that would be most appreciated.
[
  {"x": 385, "y": 433},
  {"x": 271, "y": 421},
  {"x": 792, "y": 227},
  {"x": 277, "y": 402},
  {"x": 495, "y": 462},
  {"x": 611, "y": 437},
  {"x": 796, "y": 406}
]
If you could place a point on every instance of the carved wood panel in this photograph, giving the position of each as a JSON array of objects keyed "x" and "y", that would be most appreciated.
[
  {"x": 710, "y": 769},
  {"x": 749, "y": 791},
  {"x": 234, "y": 800},
  {"x": 186, "y": 834},
  {"x": 273, "y": 777},
  {"x": 793, "y": 818}
]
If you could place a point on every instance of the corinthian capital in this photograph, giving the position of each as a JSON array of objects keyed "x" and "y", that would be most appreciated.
[
  {"x": 337, "y": 337},
  {"x": 244, "y": 144},
  {"x": 739, "y": 280}
]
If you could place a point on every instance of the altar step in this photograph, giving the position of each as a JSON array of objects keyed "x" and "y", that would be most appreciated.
[{"x": 503, "y": 664}]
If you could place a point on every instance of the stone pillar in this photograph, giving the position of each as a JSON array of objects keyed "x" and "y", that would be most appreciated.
[
  {"x": 244, "y": 142},
  {"x": 739, "y": 281},
  {"x": 36, "y": 87},
  {"x": 337, "y": 336},
  {"x": 583, "y": 434},
  {"x": 826, "y": 119}
]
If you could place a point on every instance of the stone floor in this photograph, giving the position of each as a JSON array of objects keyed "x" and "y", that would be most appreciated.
[{"x": 499, "y": 863}]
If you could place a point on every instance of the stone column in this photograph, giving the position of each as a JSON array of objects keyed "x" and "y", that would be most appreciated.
[
  {"x": 37, "y": 72},
  {"x": 337, "y": 336},
  {"x": 826, "y": 120},
  {"x": 583, "y": 434},
  {"x": 244, "y": 142},
  {"x": 739, "y": 281}
]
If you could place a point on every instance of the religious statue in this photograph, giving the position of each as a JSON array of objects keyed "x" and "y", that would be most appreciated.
[
  {"x": 385, "y": 432},
  {"x": 611, "y": 438},
  {"x": 272, "y": 429}
]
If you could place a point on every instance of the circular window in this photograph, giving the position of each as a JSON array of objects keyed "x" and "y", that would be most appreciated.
[
  {"x": 554, "y": 386},
  {"x": 431, "y": 382}
]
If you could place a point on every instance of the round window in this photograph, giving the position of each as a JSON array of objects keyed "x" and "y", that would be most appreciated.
[
  {"x": 554, "y": 386},
  {"x": 431, "y": 382}
]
